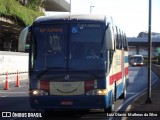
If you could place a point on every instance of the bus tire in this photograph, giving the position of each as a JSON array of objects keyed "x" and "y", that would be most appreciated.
[
  {"x": 115, "y": 92},
  {"x": 123, "y": 95}
]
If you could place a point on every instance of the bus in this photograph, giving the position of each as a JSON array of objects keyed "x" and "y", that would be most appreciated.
[
  {"x": 136, "y": 60},
  {"x": 76, "y": 62}
]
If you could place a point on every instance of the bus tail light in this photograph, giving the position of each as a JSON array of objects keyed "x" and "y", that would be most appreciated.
[
  {"x": 37, "y": 92},
  {"x": 97, "y": 92}
]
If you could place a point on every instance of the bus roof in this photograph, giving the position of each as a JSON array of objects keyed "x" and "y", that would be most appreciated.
[{"x": 61, "y": 17}]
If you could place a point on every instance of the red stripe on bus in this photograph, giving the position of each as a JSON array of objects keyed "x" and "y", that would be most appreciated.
[
  {"x": 44, "y": 85},
  {"x": 126, "y": 71},
  {"x": 117, "y": 76}
]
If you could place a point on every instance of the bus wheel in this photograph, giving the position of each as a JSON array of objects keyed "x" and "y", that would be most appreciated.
[{"x": 123, "y": 96}]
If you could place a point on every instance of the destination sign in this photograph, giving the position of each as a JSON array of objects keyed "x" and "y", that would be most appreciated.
[
  {"x": 89, "y": 25},
  {"x": 50, "y": 30}
]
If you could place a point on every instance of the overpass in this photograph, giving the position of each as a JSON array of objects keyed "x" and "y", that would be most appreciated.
[
  {"x": 139, "y": 45},
  {"x": 143, "y": 41},
  {"x": 9, "y": 30},
  {"x": 57, "y": 5},
  {"x": 9, "y": 33}
]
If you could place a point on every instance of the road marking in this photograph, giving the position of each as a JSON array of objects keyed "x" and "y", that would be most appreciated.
[
  {"x": 131, "y": 93},
  {"x": 14, "y": 118},
  {"x": 135, "y": 97},
  {"x": 4, "y": 96},
  {"x": 139, "y": 94}
]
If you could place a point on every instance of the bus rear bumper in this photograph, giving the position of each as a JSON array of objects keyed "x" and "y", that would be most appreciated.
[{"x": 68, "y": 102}]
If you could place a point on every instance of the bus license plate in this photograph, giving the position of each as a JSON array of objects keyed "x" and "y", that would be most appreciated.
[{"x": 66, "y": 102}]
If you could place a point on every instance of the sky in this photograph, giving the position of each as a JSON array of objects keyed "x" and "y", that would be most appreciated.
[{"x": 129, "y": 15}]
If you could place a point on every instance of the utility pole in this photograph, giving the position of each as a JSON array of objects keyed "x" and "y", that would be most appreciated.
[{"x": 148, "y": 100}]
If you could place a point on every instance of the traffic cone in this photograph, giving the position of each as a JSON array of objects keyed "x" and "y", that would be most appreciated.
[
  {"x": 6, "y": 85},
  {"x": 17, "y": 80}
]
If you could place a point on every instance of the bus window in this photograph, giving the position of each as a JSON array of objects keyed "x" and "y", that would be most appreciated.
[
  {"x": 120, "y": 38},
  {"x": 125, "y": 43},
  {"x": 117, "y": 39},
  {"x": 86, "y": 46},
  {"x": 50, "y": 41}
]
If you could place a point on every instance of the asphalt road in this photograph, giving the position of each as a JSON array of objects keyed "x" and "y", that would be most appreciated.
[{"x": 16, "y": 100}]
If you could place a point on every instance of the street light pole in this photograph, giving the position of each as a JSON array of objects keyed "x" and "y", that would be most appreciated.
[
  {"x": 70, "y": 6},
  {"x": 91, "y": 6},
  {"x": 148, "y": 100}
]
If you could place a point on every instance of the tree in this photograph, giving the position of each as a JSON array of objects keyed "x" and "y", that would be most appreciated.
[{"x": 32, "y": 4}]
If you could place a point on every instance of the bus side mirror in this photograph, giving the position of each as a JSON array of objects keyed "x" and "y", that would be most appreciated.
[
  {"x": 110, "y": 38},
  {"x": 22, "y": 39}
]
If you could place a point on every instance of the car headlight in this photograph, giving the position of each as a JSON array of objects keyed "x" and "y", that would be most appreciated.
[
  {"x": 37, "y": 92},
  {"x": 97, "y": 92}
]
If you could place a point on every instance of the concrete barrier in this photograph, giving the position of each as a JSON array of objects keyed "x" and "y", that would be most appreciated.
[{"x": 12, "y": 61}]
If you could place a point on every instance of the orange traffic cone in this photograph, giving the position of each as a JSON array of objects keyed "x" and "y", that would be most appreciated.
[
  {"x": 17, "y": 80},
  {"x": 6, "y": 85}
]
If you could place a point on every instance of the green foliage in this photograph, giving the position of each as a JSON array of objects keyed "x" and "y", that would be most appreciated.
[
  {"x": 17, "y": 12},
  {"x": 34, "y": 4}
]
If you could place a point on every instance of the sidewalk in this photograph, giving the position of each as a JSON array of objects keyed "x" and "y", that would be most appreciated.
[{"x": 140, "y": 106}]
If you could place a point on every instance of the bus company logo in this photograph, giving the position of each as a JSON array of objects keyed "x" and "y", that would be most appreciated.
[
  {"x": 89, "y": 85},
  {"x": 66, "y": 77},
  {"x": 6, "y": 114}
]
